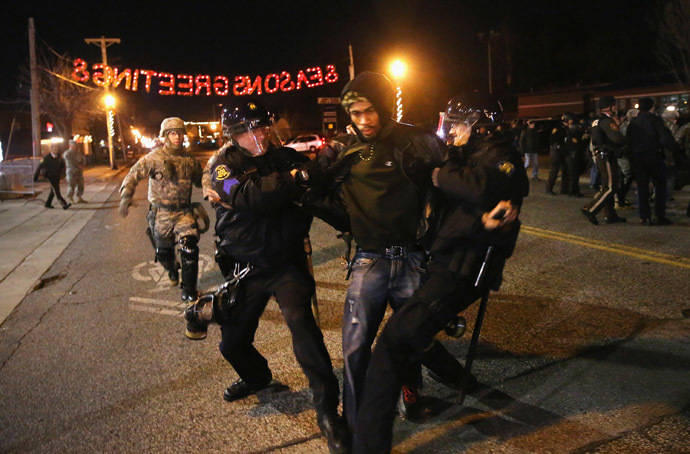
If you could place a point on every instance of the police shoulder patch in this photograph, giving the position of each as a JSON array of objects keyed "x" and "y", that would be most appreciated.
[
  {"x": 595, "y": 123},
  {"x": 221, "y": 172},
  {"x": 506, "y": 167}
]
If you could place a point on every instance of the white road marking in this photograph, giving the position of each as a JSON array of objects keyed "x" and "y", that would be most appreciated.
[{"x": 156, "y": 310}]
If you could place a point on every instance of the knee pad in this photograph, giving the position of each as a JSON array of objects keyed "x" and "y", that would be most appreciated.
[{"x": 189, "y": 248}]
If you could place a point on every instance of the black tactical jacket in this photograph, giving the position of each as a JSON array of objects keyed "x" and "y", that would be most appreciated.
[{"x": 263, "y": 226}]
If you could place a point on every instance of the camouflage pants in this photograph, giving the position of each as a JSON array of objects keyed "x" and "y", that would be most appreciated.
[
  {"x": 168, "y": 226},
  {"x": 75, "y": 183}
]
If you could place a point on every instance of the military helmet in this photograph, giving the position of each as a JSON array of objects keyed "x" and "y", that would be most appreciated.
[
  {"x": 244, "y": 116},
  {"x": 171, "y": 123}
]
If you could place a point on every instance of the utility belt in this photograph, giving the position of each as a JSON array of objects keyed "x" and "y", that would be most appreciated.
[
  {"x": 394, "y": 252},
  {"x": 171, "y": 207},
  {"x": 197, "y": 209}
]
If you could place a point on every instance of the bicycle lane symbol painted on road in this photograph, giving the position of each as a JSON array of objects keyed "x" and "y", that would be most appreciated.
[{"x": 154, "y": 272}]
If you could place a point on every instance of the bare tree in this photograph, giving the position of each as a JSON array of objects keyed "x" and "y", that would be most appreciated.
[
  {"x": 673, "y": 25},
  {"x": 61, "y": 98}
]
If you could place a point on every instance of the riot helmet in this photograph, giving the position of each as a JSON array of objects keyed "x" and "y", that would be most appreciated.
[
  {"x": 466, "y": 111},
  {"x": 249, "y": 125}
]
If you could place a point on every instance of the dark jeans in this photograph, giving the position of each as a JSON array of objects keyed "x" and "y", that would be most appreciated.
[
  {"x": 55, "y": 190},
  {"x": 377, "y": 281},
  {"x": 610, "y": 178},
  {"x": 650, "y": 167},
  {"x": 292, "y": 286},
  {"x": 402, "y": 343}
]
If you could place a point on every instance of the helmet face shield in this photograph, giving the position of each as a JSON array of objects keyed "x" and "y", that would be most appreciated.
[
  {"x": 455, "y": 129},
  {"x": 255, "y": 136}
]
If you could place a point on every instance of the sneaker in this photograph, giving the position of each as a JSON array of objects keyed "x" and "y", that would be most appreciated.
[
  {"x": 65, "y": 206},
  {"x": 335, "y": 432},
  {"x": 645, "y": 221},
  {"x": 80, "y": 200},
  {"x": 408, "y": 403},
  {"x": 589, "y": 215},
  {"x": 49, "y": 206},
  {"x": 241, "y": 389},
  {"x": 550, "y": 193}
]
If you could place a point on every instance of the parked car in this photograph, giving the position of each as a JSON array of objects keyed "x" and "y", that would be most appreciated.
[{"x": 307, "y": 143}]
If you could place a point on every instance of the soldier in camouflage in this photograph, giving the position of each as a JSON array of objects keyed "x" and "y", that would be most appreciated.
[
  {"x": 171, "y": 172},
  {"x": 75, "y": 160}
]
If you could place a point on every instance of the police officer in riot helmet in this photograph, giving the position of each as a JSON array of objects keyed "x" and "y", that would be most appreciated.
[
  {"x": 484, "y": 183},
  {"x": 251, "y": 183}
]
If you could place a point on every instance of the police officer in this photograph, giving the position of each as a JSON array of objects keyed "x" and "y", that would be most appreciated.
[
  {"x": 484, "y": 182},
  {"x": 171, "y": 172},
  {"x": 607, "y": 144},
  {"x": 574, "y": 154},
  {"x": 75, "y": 160},
  {"x": 557, "y": 156},
  {"x": 251, "y": 183}
]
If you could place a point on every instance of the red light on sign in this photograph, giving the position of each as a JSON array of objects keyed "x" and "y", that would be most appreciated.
[{"x": 49, "y": 127}]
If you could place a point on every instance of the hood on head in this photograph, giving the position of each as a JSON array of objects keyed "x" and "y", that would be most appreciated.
[{"x": 376, "y": 88}]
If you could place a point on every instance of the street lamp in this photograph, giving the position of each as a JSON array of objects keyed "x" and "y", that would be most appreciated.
[
  {"x": 398, "y": 70},
  {"x": 109, "y": 101}
]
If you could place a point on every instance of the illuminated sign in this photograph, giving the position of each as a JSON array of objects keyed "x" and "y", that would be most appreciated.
[{"x": 201, "y": 84}]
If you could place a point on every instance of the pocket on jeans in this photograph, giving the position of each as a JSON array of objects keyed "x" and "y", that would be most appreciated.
[{"x": 362, "y": 263}]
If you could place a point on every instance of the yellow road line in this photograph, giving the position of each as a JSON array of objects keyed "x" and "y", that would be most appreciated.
[{"x": 642, "y": 254}]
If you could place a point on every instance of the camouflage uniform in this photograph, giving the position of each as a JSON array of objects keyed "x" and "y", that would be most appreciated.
[
  {"x": 75, "y": 161},
  {"x": 171, "y": 174}
]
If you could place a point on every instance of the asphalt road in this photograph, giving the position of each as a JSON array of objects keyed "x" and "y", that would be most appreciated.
[{"x": 586, "y": 348}]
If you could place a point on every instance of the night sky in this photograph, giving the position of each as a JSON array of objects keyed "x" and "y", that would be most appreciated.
[{"x": 544, "y": 45}]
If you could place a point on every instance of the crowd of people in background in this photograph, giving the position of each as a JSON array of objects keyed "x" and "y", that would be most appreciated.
[{"x": 655, "y": 148}]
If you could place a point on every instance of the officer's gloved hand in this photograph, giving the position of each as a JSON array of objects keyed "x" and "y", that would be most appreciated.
[{"x": 124, "y": 206}]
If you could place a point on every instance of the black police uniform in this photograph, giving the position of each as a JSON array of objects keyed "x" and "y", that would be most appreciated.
[
  {"x": 478, "y": 176},
  {"x": 264, "y": 228},
  {"x": 557, "y": 160},
  {"x": 574, "y": 158},
  {"x": 608, "y": 143}
]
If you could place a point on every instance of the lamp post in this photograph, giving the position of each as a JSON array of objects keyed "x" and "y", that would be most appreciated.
[
  {"x": 398, "y": 70},
  {"x": 109, "y": 102}
]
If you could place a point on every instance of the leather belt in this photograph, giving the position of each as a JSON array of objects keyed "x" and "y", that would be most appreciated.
[{"x": 396, "y": 251}]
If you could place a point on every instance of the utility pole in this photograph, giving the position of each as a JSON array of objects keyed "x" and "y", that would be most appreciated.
[
  {"x": 352, "y": 63},
  {"x": 489, "y": 38},
  {"x": 35, "y": 103},
  {"x": 104, "y": 43}
]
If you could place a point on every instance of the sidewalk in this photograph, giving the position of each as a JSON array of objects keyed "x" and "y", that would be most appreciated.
[{"x": 32, "y": 237}]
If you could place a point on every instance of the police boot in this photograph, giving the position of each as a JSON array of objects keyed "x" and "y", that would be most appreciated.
[{"x": 334, "y": 431}]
